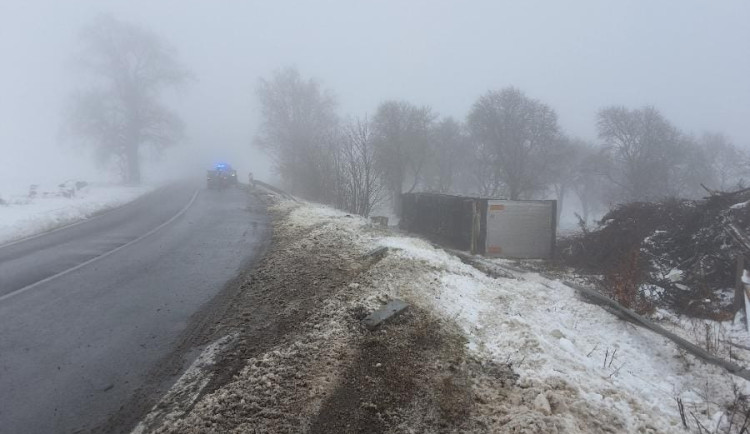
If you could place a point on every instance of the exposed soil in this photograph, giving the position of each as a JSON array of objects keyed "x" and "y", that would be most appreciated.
[{"x": 408, "y": 374}]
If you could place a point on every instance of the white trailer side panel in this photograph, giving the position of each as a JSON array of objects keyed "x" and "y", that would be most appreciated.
[{"x": 521, "y": 229}]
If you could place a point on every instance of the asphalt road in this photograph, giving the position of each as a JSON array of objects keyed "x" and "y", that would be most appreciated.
[{"x": 86, "y": 312}]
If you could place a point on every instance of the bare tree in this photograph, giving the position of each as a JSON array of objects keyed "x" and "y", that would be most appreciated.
[
  {"x": 589, "y": 179},
  {"x": 484, "y": 173},
  {"x": 730, "y": 166},
  {"x": 645, "y": 149},
  {"x": 449, "y": 156},
  {"x": 360, "y": 180},
  {"x": 691, "y": 169},
  {"x": 519, "y": 135},
  {"x": 563, "y": 173},
  {"x": 298, "y": 129},
  {"x": 402, "y": 140},
  {"x": 129, "y": 67}
]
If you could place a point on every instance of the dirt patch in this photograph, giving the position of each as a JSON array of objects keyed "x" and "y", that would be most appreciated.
[
  {"x": 285, "y": 290},
  {"x": 270, "y": 315},
  {"x": 409, "y": 365}
]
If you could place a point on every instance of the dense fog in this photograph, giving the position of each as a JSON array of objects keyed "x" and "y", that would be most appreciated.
[{"x": 689, "y": 61}]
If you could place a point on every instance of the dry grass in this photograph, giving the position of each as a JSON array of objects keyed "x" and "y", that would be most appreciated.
[{"x": 624, "y": 281}]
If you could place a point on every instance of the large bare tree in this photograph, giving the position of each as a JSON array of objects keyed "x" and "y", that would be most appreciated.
[
  {"x": 449, "y": 157},
  {"x": 299, "y": 130},
  {"x": 484, "y": 175},
  {"x": 646, "y": 151},
  {"x": 128, "y": 67},
  {"x": 730, "y": 165},
  {"x": 563, "y": 174},
  {"x": 402, "y": 140},
  {"x": 519, "y": 135}
]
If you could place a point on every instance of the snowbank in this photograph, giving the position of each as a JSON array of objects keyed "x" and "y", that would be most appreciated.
[
  {"x": 581, "y": 368},
  {"x": 21, "y": 216}
]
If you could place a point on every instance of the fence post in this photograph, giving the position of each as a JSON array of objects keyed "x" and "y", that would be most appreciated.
[
  {"x": 474, "y": 227},
  {"x": 739, "y": 289}
]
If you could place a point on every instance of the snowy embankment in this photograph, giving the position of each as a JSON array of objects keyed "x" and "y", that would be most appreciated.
[
  {"x": 473, "y": 353},
  {"x": 584, "y": 369},
  {"x": 22, "y": 216}
]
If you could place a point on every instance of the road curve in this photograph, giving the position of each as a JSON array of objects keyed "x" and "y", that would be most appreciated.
[{"x": 77, "y": 341}]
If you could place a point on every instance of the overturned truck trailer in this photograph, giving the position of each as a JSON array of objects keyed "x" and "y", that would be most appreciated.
[{"x": 492, "y": 227}]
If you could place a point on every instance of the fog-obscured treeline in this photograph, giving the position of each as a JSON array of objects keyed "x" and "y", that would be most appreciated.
[{"x": 508, "y": 145}]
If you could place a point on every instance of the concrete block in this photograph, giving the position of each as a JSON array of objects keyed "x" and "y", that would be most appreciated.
[
  {"x": 380, "y": 251},
  {"x": 392, "y": 309}
]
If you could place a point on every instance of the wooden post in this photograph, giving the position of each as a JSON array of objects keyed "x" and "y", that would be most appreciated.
[
  {"x": 739, "y": 288},
  {"x": 553, "y": 245},
  {"x": 474, "y": 228}
]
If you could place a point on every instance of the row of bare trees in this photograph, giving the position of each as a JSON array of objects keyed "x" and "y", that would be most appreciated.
[
  {"x": 645, "y": 157},
  {"x": 511, "y": 146},
  {"x": 318, "y": 155}
]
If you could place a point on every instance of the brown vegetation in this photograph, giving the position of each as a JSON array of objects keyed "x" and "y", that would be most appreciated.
[{"x": 681, "y": 248}]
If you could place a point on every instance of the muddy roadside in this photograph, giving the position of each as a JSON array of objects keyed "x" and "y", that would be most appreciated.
[
  {"x": 196, "y": 336},
  {"x": 296, "y": 358}
]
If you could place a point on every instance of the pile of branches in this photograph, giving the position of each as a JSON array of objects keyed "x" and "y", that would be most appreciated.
[{"x": 685, "y": 252}]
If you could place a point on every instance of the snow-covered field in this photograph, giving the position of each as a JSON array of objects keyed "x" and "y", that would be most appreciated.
[
  {"x": 589, "y": 371},
  {"x": 22, "y": 216}
]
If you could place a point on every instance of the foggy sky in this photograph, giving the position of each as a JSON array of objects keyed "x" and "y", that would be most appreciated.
[{"x": 691, "y": 59}]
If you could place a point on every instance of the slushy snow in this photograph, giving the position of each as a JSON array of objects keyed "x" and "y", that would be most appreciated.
[{"x": 550, "y": 335}]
